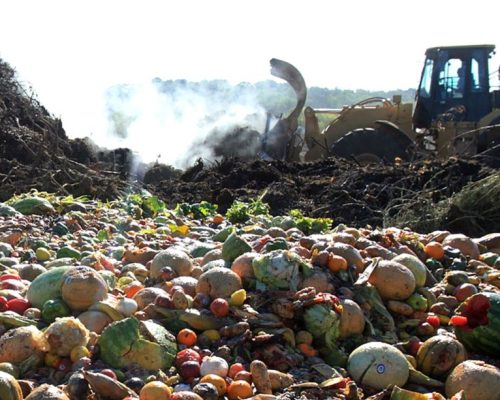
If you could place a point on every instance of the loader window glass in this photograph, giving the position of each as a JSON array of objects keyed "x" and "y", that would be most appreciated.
[
  {"x": 425, "y": 84},
  {"x": 452, "y": 79},
  {"x": 475, "y": 78}
]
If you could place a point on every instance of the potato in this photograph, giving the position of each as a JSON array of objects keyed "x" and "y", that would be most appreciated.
[
  {"x": 260, "y": 377},
  {"x": 218, "y": 282}
]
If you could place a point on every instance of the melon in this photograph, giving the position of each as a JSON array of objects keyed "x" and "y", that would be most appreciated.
[
  {"x": 378, "y": 365},
  {"x": 416, "y": 267},
  {"x": 439, "y": 354},
  {"x": 478, "y": 380}
]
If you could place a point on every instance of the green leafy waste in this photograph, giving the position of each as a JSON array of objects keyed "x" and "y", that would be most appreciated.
[
  {"x": 310, "y": 225},
  {"x": 201, "y": 210},
  {"x": 241, "y": 211}
]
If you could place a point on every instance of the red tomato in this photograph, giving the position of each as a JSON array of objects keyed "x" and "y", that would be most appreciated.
[
  {"x": 235, "y": 368},
  {"x": 18, "y": 305},
  {"x": 64, "y": 365},
  {"x": 434, "y": 321},
  {"x": 459, "y": 320}
]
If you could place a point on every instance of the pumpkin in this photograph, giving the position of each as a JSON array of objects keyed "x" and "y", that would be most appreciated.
[
  {"x": 478, "y": 380},
  {"x": 393, "y": 280},
  {"x": 439, "y": 354},
  {"x": 83, "y": 286}
]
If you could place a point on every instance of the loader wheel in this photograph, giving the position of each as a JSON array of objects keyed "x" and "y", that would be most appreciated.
[{"x": 368, "y": 145}]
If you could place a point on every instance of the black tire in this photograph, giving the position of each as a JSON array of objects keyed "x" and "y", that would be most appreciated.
[{"x": 369, "y": 145}]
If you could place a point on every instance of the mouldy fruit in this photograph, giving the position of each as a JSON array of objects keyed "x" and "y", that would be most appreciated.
[
  {"x": 83, "y": 286},
  {"x": 176, "y": 259},
  {"x": 64, "y": 334},
  {"x": 393, "y": 280},
  {"x": 18, "y": 344},
  {"x": 478, "y": 380},
  {"x": 378, "y": 365},
  {"x": 218, "y": 282},
  {"x": 130, "y": 341},
  {"x": 481, "y": 328}
]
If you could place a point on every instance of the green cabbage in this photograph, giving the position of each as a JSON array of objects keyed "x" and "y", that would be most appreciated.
[
  {"x": 323, "y": 323},
  {"x": 280, "y": 269}
]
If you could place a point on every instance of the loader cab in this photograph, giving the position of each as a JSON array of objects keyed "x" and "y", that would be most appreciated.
[{"x": 455, "y": 81}]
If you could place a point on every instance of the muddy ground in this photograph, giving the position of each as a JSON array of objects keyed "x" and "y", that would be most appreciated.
[{"x": 35, "y": 153}]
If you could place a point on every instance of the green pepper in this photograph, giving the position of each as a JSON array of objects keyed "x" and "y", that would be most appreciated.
[{"x": 53, "y": 309}]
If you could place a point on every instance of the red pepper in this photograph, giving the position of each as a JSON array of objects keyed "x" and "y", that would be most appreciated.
[
  {"x": 433, "y": 320},
  {"x": 9, "y": 276},
  {"x": 18, "y": 305},
  {"x": 3, "y": 303},
  {"x": 458, "y": 320}
]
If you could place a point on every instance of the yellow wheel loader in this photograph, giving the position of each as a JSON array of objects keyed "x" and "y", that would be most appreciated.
[{"x": 456, "y": 112}]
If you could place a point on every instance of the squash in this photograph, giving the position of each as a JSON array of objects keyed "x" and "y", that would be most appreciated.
[
  {"x": 9, "y": 388},
  {"x": 439, "y": 354},
  {"x": 46, "y": 286},
  {"x": 83, "y": 286}
]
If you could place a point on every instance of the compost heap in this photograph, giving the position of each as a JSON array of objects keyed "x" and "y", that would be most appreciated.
[{"x": 241, "y": 279}]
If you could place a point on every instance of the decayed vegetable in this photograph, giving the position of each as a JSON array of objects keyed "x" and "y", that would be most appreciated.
[
  {"x": 174, "y": 258},
  {"x": 218, "y": 282},
  {"x": 260, "y": 377},
  {"x": 478, "y": 380},
  {"x": 481, "y": 330},
  {"x": 33, "y": 205},
  {"x": 416, "y": 266},
  {"x": 378, "y": 365},
  {"x": 82, "y": 286},
  {"x": 9, "y": 388},
  {"x": 323, "y": 323},
  {"x": 129, "y": 341},
  {"x": 439, "y": 354},
  {"x": 319, "y": 280},
  {"x": 393, "y": 280},
  {"x": 463, "y": 243},
  {"x": 242, "y": 265},
  {"x": 64, "y": 334},
  {"x": 46, "y": 286},
  {"x": 45, "y": 392},
  {"x": 352, "y": 319},
  {"x": 18, "y": 344},
  {"x": 94, "y": 321},
  {"x": 280, "y": 269},
  {"x": 234, "y": 246},
  {"x": 107, "y": 387}
]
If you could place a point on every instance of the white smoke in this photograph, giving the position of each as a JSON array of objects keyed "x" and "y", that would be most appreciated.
[{"x": 168, "y": 122}]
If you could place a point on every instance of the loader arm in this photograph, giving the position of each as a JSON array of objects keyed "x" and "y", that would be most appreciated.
[{"x": 278, "y": 141}]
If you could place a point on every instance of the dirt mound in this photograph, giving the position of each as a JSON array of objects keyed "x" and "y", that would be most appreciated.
[{"x": 36, "y": 153}]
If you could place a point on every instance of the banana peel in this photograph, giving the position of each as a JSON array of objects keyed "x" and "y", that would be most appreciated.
[{"x": 107, "y": 307}]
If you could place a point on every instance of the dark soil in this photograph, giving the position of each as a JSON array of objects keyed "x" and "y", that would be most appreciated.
[{"x": 35, "y": 153}]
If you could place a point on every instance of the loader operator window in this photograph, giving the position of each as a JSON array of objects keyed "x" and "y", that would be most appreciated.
[
  {"x": 425, "y": 84},
  {"x": 452, "y": 79}
]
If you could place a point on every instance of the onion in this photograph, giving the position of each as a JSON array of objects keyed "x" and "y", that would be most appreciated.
[
  {"x": 214, "y": 365},
  {"x": 126, "y": 306}
]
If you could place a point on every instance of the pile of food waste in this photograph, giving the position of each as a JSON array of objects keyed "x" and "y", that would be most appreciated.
[{"x": 132, "y": 299}]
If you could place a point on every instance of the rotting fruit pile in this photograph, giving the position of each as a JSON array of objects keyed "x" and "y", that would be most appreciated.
[{"x": 129, "y": 299}]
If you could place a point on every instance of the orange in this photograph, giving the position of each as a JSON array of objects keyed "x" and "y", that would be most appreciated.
[
  {"x": 132, "y": 288},
  {"x": 217, "y": 381},
  {"x": 434, "y": 250},
  {"x": 187, "y": 336},
  {"x": 239, "y": 390},
  {"x": 155, "y": 390},
  {"x": 336, "y": 263}
]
